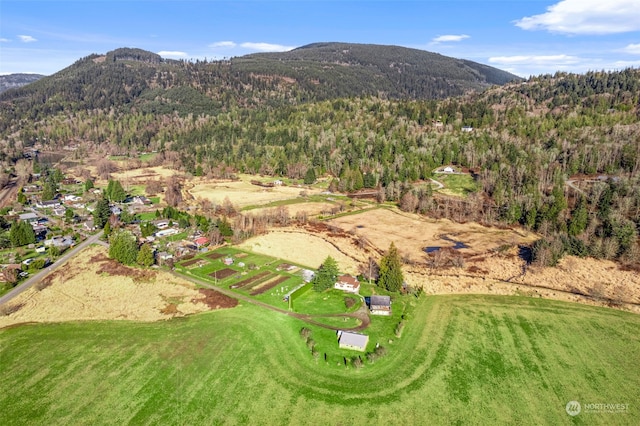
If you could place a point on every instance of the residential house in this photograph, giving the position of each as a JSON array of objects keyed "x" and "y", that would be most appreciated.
[
  {"x": 351, "y": 340},
  {"x": 467, "y": 129},
  {"x": 380, "y": 305},
  {"x": 163, "y": 257},
  {"x": 60, "y": 242},
  {"x": 28, "y": 217},
  {"x": 347, "y": 283},
  {"x": 141, "y": 200},
  {"x": 89, "y": 225},
  {"x": 47, "y": 204}
]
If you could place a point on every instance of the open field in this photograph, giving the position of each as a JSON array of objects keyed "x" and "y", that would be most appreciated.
[
  {"x": 299, "y": 247},
  {"x": 412, "y": 233},
  {"x": 242, "y": 193},
  {"x": 460, "y": 360},
  {"x": 93, "y": 287}
]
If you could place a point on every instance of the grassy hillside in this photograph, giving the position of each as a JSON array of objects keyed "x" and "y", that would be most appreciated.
[{"x": 461, "y": 359}]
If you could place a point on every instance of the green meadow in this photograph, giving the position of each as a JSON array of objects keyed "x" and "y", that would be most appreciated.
[{"x": 460, "y": 360}]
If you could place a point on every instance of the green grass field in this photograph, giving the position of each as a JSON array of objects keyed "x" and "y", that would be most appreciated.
[
  {"x": 461, "y": 360},
  {"x": 457, "y": 184}
]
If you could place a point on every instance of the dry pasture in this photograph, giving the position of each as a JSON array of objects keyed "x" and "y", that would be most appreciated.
[
  {"x": 242, "y": 193},
  {"x": 299, "y": 246},
  {"x": 93, "y": 287},
  {"x": 411, "y": 233}
]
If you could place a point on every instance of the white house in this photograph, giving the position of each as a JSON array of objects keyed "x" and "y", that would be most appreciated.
[
  {"x": 448, "y": 169},
  {"x": 347, "y": 283}
]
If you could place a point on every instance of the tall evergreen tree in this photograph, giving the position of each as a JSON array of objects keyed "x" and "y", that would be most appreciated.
[
  {"x": 123, "y": 247},
  {"x": 391, "y": 277},
  {"x": 326, "y": 276},
  {"x": 102, "y": 213}
]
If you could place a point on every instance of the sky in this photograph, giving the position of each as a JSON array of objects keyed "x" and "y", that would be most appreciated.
[{"x": 524, "y": 37}]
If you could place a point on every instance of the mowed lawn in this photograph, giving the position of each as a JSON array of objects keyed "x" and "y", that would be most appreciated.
[{"x": 461, "y": 359}]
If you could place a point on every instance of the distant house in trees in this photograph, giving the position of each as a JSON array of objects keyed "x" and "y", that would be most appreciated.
[
  {"x": 467, "y": 129},
  {"x": 354, "y": 341},
  {"x": 347, "y": 283},
  {"x": 141, "y": 200},
  {"x": 380, "y": 305},
  {"x": 448, "y": 169},
  {"x": 47, "y": 204}
]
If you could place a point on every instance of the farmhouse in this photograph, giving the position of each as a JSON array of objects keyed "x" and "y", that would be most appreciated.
[
  {"x": 347, "y": 283},
  {"x": 380, "y": 305},
  {"x": 350, "y": 340}
]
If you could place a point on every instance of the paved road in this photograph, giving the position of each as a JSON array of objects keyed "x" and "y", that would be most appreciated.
[{"x": 40, "y": 275}]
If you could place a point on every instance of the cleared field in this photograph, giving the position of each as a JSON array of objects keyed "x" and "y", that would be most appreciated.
[
  {"x": 461, "y": 360},
  {"x": 242, "y": 193},
  {"x": 412, "y": 233},
  {"x": 94, "y": 287},
  {"x": 299, "y": 247}
]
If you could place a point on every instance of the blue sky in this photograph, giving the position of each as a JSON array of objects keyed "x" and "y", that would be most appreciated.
[{"x": 524, "y": 37}]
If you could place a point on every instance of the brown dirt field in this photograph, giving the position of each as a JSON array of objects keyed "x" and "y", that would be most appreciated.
[
  {"x": 266, "y": 286},
  {"x": 222, "y": 273},
  {"x": 250, "y": 280},
  {"x": 215, "y": 300},
  {"x": 93, "y": 287}
]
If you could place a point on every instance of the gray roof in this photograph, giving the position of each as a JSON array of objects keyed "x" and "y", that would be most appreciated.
[
  {"x": 354, "y": 339},
  {"x": 380, "y": 300}
]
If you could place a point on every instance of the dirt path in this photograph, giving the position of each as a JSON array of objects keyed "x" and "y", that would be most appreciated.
[{"x": 361, "y": 314}]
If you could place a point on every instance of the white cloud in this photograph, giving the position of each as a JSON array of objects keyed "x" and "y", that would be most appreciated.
[
  {"x": 222, "y": 44},
  {"x": 618, "y": 65},
  {"x": 559, "y": 60},
  {"x": 634, "y": 49},
  {"x": 266, "y": 47},
  {"x": 26, "y": 39},
  {"x": 449, "y": 38},
  {"x": 172, "y": 54},
  {"x": 586, "y": 17},
  {"x": 4, "y": 40}
]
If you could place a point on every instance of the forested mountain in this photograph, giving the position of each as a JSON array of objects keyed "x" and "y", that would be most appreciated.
[
  {"x": 128, "y": 79},
  {"x": 524, "y": 143},
  {"x": 12, "y": 81}
]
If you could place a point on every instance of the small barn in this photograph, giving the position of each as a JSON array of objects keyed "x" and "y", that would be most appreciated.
[
  {"x": 351, "y": 340},
  {"x": 380, "y": 305}
]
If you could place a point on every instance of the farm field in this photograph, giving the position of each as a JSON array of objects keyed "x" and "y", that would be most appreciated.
[
  {"x": 299, "y": 247},
  {"x": 461, "y": 359},
  {"x": 242, "y": 193}
]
